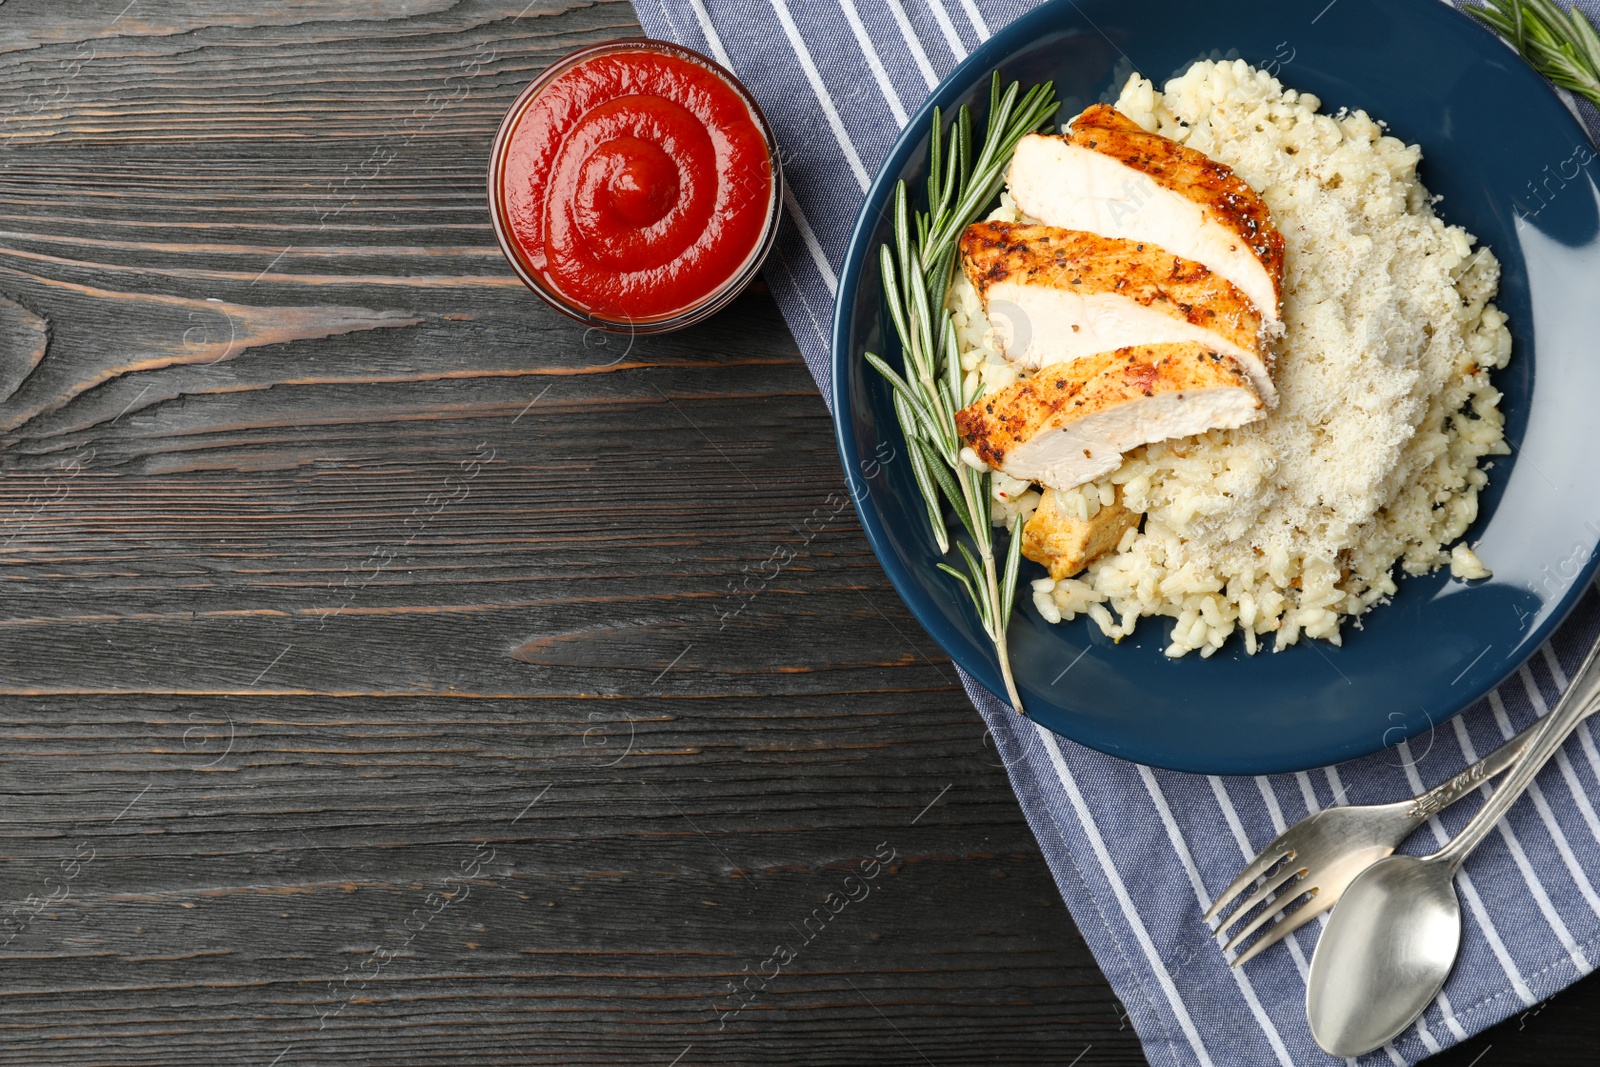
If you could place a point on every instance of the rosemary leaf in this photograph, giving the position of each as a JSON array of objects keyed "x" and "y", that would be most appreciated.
[
  {"x": 952, "y": 363},
  {"x": 947, "y": 188},
  {"x": 974, "y": 509},
  {"x": 1560, "y": 44},
  {"x": 947, "y": 483},
  {"x": 1008, "y": 585},
  {"x": 964, "y": 134},
  {"x": 921, "y": 323},
  {"x": 979, "y": 580},
  {"x": 1586, "y": 38},
  {"x": 902, "y": 240},
  {"x": 891, "y": 295},
  {"x": 925, "y": 425},
  {"x": 926, "y": 469},
  {"x": 977, "y": 601}
]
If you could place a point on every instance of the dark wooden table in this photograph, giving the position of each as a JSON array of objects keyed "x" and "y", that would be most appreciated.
[{"x": 395, "y": 673}]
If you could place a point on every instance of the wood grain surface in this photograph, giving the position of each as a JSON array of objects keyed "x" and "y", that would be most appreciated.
[{"x": 396, "y": 673}]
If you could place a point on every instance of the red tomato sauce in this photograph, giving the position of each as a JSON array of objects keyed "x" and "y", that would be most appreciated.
[{"x": 636, "y": 184}]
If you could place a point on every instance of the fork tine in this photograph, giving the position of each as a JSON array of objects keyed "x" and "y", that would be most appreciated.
[
  {"x": 1280, "y": 878},
  {"x": 1277, "y": 907},
  {"x": 1264, "y": 862},
  {"x": 1290, "y": 922}
]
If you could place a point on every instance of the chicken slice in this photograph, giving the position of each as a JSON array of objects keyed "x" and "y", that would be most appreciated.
[
  {"x": 1065, "y": 543},
  {"x": 1057, "y": 295},
  {"x": 1110, "y": 176},
  {"x": 1069, "y": 423}
]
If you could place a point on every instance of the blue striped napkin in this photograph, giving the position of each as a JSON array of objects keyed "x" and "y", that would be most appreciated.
[{"x": 1138, "y": 853}]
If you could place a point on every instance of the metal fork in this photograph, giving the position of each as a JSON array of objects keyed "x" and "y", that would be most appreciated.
[{"x": 1323, "y": 853}]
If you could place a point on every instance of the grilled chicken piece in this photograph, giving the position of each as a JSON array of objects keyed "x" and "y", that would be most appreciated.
[
  {"x": 1065, "y": 543},
  {"x": 1070, "y": 422},
  {"x": 1109, "y": 176},
  {"x": 1057, "y": 295}
]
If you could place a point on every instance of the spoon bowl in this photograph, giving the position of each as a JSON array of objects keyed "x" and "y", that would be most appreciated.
[{"x": 1386, "y": 953}]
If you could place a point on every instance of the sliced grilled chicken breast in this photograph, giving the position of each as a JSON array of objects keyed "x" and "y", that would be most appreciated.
[
  {"x": 1109, "y": 176},
  {"x": 1070, "y": 422},
  {"x": 1065, "y": 543},
  {"x": 1057, "y": 295}
]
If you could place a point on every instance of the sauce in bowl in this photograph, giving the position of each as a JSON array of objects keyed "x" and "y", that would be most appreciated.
[{"x": 634, "y": 186}]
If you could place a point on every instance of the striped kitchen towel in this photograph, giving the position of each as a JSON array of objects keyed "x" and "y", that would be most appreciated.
[{"x": 1136, "y": 852}]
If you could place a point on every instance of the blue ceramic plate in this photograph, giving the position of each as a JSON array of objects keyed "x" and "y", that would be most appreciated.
[{"x": 1515, "y": 168}]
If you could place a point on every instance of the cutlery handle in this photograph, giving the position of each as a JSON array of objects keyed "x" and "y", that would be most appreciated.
[
  {"x": 1447, "y": 793},
  {"x": 1549, "y": 733}
]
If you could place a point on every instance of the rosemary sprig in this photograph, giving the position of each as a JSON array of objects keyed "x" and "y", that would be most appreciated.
[
  {"x": 962, "y": 182},
  {"x": 1561, "y": 45}
]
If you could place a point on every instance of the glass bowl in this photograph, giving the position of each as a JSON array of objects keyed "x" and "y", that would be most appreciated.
[{"x": 706, "y": 306}]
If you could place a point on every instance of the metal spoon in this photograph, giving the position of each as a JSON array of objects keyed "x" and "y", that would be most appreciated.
[{"x": 1393, "y": 938}]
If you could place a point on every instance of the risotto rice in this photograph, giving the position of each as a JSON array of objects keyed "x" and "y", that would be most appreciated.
[{"x": 1286, "y": 526}]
